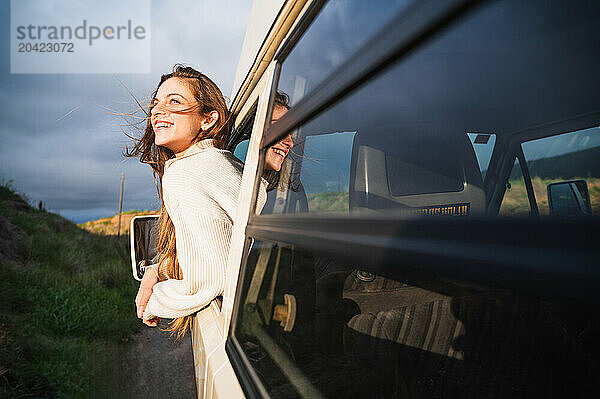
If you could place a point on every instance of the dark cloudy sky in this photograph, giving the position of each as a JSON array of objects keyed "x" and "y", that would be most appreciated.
[{"x": 60, "y": 142}]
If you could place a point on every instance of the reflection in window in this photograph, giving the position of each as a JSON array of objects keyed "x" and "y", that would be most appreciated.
[
  {"x": 401, "y": 146},
  {"x": 569, "y": 199},
  {"x": 570, "y": 156},
  {"x": 326, "y": 168},
  {"x": 364, "y": 331},
  {"x": 340, "y": 29},
  {"x": 515, "y": 201},
  {"x": 483, "y": 144},
  {"x": 241, "y": 150},
  {"x": 413, "y": 152}
]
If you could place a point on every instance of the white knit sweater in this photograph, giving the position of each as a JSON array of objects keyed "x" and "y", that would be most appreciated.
[{"x": 200, "y": 192}]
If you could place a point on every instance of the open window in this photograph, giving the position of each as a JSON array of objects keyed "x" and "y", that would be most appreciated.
[
  {"x": 240, "y": 136},
  {"x": 569, "y": 156}
]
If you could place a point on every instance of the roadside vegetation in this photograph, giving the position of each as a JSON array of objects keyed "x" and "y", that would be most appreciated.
[
  {"x": 110, "y": 225},
  {"x": 66, "y": 304},
  {"x": 516, "y": 202},
  {"x": 328, "y": 202}
]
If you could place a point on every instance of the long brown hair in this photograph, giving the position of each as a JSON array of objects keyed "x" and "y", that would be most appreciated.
[{"x": 209, "y": 98}]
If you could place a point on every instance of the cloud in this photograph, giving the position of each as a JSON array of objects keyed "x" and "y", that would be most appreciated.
[
  {"x": 60, "y": 142},
  {"x": 206, "y": 37}
]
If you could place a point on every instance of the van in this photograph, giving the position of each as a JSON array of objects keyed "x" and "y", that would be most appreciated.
[{"x": 434, "y": 232}]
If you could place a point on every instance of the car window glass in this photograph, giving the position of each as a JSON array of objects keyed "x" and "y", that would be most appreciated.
[
  {"x": 328, "y": 157},
  {"x": 565, "y": 157},
  {"x": 413, "y": 152},
  {"x": 241, "y": 150},
  {"x": 361, "y": 330},
  {"x": 515, "y": 201},
  {"x": 483, "y": 144},
  {"x": 402, "y": 146},
  {"x": 315, "y": 322},
  {"x": 340, "y": 29}
]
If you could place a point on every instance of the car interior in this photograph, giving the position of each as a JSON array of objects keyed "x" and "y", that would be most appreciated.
[
  {"x": 515, "y": 70},
  {"x": 419, "y": 335}
]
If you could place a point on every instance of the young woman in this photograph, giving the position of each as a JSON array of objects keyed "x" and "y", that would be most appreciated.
[
  {"x": 277, "y": 153},
  {"x": 184, "y": 143}
]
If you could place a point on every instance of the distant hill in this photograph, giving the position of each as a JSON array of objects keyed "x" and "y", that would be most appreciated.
[
  {"x": 109, "y": 225},
  {"x": 580, "y": 164}
]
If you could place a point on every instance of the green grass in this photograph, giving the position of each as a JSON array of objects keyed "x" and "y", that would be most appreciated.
[
  {"x": 132, "y": 211},
  {"x": 328, "y": 202},
  {"x": 516, "y": 202},
  {"x": 67, "y": 304}
]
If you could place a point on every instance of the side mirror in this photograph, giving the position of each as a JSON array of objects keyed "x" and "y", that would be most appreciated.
[
  {"x": 569, "y": 199},
  {"x": 142, "y": 234}
]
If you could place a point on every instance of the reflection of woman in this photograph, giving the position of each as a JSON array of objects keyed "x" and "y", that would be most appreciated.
[
  {"x": 183, "y": 142},
  {"x": 277, "y": 152}
]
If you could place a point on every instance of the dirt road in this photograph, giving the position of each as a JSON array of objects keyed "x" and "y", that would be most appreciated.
[{"x": 155, "y": 366}]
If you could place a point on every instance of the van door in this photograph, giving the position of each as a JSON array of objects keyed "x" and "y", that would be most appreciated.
[{"x": 400, "y": 278}]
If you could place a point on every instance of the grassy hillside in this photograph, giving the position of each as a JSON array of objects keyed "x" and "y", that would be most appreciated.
[
  {"x": 66, "y": 300},
  {"x": 110, "y": 225},
  {"x": 516, "y": 202},
  {"x": 328, "y": 202}
]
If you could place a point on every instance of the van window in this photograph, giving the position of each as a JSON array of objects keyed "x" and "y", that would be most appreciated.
[
  {"x": 340, "y": 29},
  {"x": 326, "y": 170},
  {"x": 239, "y": 138},
  {"x": 569, "y": 156},
  {"x": 483, "y": 144},
  {"x": 312, "y": 320},
  {"x": 241, "y": 150},
  {"x": 366, "y": 167},
  {"x": 413, "y": 151},
  {"x": 515, "y": 202},
  {"x": 370, "y": 331},
  {"x": 424, "y": 165}
]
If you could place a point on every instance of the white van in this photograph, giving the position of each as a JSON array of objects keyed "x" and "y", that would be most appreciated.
[{"x": 435, "y": 230}]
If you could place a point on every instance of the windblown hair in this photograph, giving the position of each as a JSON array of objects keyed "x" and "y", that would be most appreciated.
[{"x": 209, "y": 98}]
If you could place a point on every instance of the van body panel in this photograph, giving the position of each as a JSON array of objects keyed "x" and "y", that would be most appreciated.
[
  {"x": 263, "y": 55},
  {"x": 207, "y": 336},
  {"x": 224, "y": 383},
  {"x": 262, "y": 15}
]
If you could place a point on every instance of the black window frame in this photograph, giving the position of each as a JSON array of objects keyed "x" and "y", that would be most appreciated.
[
  {"x": 505, "y": 151},
  {"x": 497, "y": 252}
]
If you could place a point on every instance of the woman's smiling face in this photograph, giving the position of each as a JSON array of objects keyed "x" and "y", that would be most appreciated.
[
  {"x": 277, "y": 152},
  {"x": 175, "y": 115}
]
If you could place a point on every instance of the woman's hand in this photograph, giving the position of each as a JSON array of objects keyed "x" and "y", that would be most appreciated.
[{"x": 144, "y": 292}]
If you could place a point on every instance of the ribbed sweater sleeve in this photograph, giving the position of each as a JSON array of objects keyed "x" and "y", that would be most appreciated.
[{"x": 200, "y": 194}]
